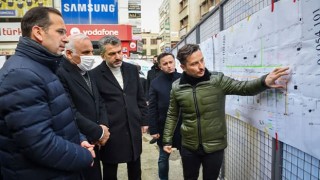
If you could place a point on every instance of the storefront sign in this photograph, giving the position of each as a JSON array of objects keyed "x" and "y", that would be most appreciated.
[
  {"x": 134, "y": 15},
  {"x": 134, "y": 7},
  {"x": 14, "y": 9},
  {"x": 90, "y": 12},
  {"x": 96, "y": 32},
  {"x": 10, "y": 31}
]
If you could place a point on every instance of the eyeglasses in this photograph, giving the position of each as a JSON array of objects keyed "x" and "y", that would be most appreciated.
[{"x": 61, "y": 31}]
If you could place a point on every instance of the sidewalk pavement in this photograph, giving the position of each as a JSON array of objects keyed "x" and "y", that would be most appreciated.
[{"x": 149, "y": 162}]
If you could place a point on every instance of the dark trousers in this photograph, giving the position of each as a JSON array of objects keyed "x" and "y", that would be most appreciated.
[
  {"x": 133, "y": 167},
  {"x": 163, "y": 164},
  {"x": 191, "y": 161},
  {"x": 94, "y": 172}
]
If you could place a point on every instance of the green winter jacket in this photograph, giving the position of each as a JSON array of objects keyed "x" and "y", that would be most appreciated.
[{"x": 203, "y": 110}]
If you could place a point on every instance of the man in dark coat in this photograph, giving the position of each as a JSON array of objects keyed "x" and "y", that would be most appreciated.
[
  {"x": 91, "y": 115},
  {"x": 153, "y": 72},
  {"x": 39, "y": 138},
  {"x": 119, "y": 86},
  {"x": 159, "y": 94}
]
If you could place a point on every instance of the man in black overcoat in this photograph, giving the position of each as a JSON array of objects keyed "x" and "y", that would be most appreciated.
[
  {"x": 119, "y": 85},
  {"x": 91, "y": 116}
]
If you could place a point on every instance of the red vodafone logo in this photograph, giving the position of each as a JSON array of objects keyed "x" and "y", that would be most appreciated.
[
  {"x": 75, "y": 30},
  {"x": 133, "y": 45},
  {"x": 96, "y": 32},
  {"x": 102, "y": 32}
]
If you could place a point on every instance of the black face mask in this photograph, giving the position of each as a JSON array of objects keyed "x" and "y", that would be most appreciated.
[{"x": 156, "y": 64}]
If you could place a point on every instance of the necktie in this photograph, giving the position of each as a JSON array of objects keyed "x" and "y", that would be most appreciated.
[{"x": 87, "y": 79}]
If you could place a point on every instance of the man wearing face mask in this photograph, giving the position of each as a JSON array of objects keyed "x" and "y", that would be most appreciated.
[{"x": 89, "y": 108}]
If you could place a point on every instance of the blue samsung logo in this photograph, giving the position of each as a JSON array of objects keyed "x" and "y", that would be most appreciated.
[
  {"x": 90, "y": 11},
  {"x": 88, "y": 7}
]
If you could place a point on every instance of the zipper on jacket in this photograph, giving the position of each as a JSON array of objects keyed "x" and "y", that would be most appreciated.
[{"x": 198, "y": 114}]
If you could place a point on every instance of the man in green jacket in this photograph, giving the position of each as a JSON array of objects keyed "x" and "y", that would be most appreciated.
[{"x": 200, "y": 95}]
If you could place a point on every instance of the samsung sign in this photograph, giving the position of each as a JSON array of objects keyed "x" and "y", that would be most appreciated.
[{"x": 90, "y": 11}]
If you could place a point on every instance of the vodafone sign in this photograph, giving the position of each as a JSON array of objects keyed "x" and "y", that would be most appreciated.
[{"x": 96, "y": 32}]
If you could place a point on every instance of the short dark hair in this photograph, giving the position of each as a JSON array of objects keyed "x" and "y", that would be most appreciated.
[
  {"x": 37, "y": 16},
  {"x": 186, "y": 51},
  {"x": 109, "y": 39},
  {"x": 162, "y": 55}
]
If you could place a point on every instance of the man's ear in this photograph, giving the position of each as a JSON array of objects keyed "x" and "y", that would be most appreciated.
[
  {"x": 102, "y": 56},
  {"x": 68, "y": 54},
  {"x": 37, "y": 33}
]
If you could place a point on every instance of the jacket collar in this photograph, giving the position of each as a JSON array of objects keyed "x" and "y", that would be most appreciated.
[
  {"x": 186, "y": 79},
  {"x": 109, "y": 76},
  {"x": 171, "y": 77},
  {"x": 68, "y": 66},
  {"x": 38, "y": 53},
  {"x": 155, "y": 67},
  {"x": 75, "y": 73}
]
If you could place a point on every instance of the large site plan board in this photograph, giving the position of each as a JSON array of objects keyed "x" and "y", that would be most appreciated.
[{"x": 288, "y": 35}]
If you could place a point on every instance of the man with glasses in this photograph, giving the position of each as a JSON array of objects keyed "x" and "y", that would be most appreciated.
[{"x": 39, "y": 138}]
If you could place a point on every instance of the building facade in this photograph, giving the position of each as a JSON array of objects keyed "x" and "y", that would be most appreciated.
[
  {"x": 169, "y": 27},
  {"x": 151, "y": 44},
  {"x": 96, "y": 19},
  {"x": 178, "y": 17}
]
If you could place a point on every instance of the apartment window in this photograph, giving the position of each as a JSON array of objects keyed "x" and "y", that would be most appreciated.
[
  {"x": 184, "y": 22},
  {"x": 183, "y": 4},
  {"x": 144, "y": 41},
  {"x": 154, "y": 52},
  {"x": 153, "y": 41},
  {"x": 214, "y": 2},
  {"x": 206, "y": 5},
  {"x": 144, "y": 52}
]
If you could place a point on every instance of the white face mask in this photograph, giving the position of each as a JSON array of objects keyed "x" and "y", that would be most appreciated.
[{"x": 86, "y": 63}]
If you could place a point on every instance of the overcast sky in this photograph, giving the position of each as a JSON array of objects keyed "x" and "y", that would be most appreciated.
[{"x": 150, "y": 15}]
